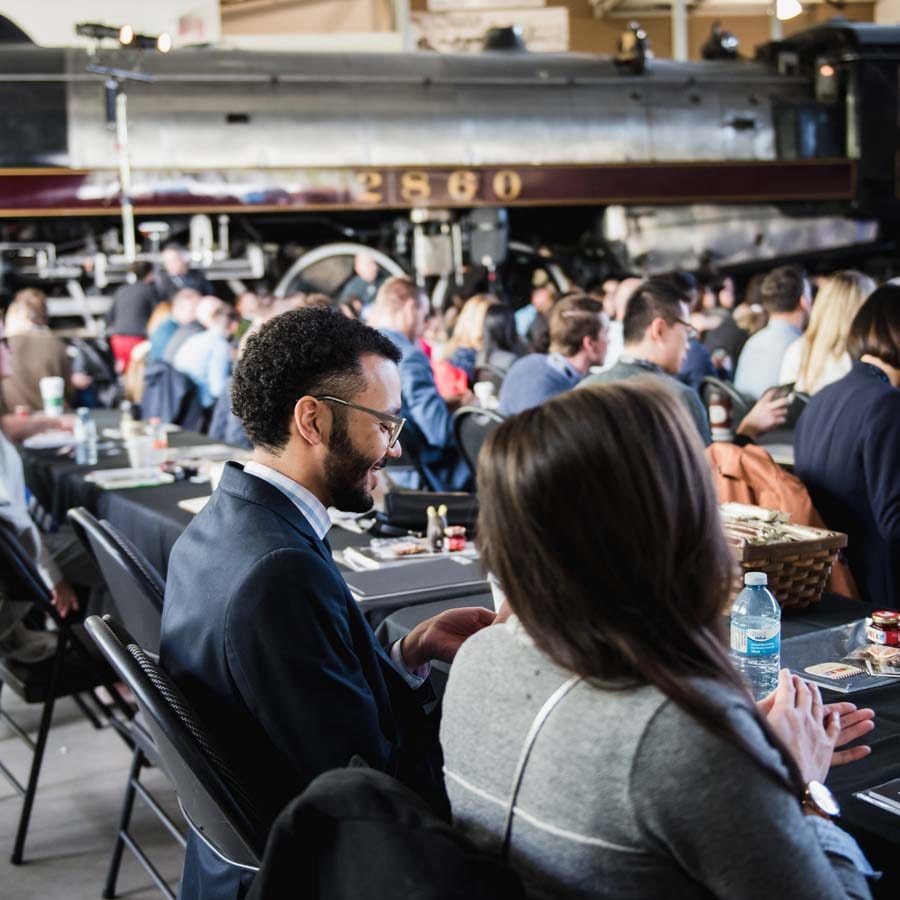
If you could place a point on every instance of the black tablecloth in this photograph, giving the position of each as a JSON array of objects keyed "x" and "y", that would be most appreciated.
[
  {"x": 150, "y": 516},
  {"x": 152, "y": 519}
]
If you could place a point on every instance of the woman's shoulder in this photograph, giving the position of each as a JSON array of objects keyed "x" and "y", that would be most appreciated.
[{"x": 700, "y": 743}]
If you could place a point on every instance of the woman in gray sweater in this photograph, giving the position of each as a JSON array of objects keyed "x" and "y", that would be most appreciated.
[{"x": 600, "y": 737}]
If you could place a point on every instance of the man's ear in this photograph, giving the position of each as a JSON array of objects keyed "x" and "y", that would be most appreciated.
[
  {"x": 307, "y": 419},
  {"x": 657, "y": 329}
]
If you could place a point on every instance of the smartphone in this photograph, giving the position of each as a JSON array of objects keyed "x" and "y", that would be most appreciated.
[{"x": 784, "y": 390}]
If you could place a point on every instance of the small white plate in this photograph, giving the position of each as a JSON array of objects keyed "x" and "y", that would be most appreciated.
[{"x": 49, "y": 440}]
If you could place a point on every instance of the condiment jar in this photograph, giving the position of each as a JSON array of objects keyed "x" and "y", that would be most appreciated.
[{"x": 885, "y": 628}]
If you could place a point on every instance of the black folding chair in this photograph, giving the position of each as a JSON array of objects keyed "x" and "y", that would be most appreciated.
[
  {"x": 215, "y": 804},
  {"x": 471, "y": 427},
  {"x": 73, "y": 671},
  {"x": 137, "y": 592}
]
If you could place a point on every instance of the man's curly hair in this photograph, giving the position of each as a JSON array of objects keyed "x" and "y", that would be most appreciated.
[{"x": 304, "y": 351}]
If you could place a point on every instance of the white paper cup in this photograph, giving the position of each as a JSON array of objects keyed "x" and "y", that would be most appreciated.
[
  {"x": 53, "y": 388},
  {"x": 484, "y": 391},
  {"x": 141, "y": 453}
]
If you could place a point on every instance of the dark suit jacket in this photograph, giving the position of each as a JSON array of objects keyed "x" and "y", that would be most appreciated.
[
  {"x": 847, "y": 452},
  {"x": 261, "y": 633}
]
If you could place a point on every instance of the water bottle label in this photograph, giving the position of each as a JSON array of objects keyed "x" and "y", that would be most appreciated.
[{"x": 756, "y": 641}]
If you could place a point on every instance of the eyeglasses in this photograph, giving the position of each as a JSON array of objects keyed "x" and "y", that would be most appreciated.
[
  {"x": 392, "y": 424},
  {"x": 692, "y": 332}
]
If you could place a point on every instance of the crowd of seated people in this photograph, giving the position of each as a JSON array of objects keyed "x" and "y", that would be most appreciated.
[{"x": 650, "y": 765}]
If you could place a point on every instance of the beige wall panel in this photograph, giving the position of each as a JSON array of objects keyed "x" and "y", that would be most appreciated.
[
  {"x": 307, "y": 17},
  {"x": 588, "y": 34}
]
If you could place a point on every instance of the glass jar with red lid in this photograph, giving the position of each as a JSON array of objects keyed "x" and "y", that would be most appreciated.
[{"x": 885, "y": 628}]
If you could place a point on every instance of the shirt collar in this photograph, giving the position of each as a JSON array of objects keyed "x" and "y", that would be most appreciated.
[
  {"x": 630, "y": 360},
  {"x": 401, "y": 341},
  {"x": 781, "y": 325},
  {"x": 869, "y": 369},
  {"x": 558, "y": 361},
  {"x": 303, "y": 499}
]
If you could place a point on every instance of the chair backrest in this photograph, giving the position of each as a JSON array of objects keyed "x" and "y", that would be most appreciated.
[
  {"x": 18, "y": 574},
  {"x": 136, "y": 587},
  {"x": 740, "y": 405},
  {"x": 214, "y": 802},
  {"x": 170, "y": 396},
  {"x": 357, "y": 832},
  {"x": 471, "y": 427},
  {"x": 798, "y": 404}
]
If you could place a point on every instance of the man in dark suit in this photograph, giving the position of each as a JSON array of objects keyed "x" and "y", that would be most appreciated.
[{"x": 259, "y": 629}]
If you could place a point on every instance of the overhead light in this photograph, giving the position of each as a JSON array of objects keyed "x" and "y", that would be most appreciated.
[
  {"x": 164, "y": 43},
  {"x": 787, "y": 9},
  {"x": 126, "y": 35},
  {"x": 826, "y": 70}
]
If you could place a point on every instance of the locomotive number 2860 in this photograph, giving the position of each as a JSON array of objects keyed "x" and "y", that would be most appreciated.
[{"x": 421, "y": 187}]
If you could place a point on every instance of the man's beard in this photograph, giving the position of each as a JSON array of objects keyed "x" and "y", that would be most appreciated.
[{"x": 347, "y": 471}]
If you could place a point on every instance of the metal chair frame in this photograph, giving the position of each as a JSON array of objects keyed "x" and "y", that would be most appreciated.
[
  {"x": 26, "y": 582},
  {"x": 108, "y": 547}
]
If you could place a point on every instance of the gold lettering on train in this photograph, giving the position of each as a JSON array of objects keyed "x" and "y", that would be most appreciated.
[
  {"x": 462, "y": 185},
  {"x": 507, "y": 185},
  {"x": 370, "y": 182},
  {"x": 415, "y": 187}
]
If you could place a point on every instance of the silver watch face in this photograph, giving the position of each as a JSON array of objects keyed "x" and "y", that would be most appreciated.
[{"x": 823, "y": 798}]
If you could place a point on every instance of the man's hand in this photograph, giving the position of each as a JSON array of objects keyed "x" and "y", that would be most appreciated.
[
  {"x": 64, "y": 598},
  {"x": 442, "y": 635},
  {"x": 766, "y": 414},
  {"x": 18, "y": 428},
  {"x": 854, "y": 724}
]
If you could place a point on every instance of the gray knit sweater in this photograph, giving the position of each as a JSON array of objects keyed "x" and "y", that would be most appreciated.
[{"x": 624, "y": 795}]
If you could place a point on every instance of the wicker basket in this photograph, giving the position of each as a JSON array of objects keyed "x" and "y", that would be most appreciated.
[{"x": 797, "y": 558}]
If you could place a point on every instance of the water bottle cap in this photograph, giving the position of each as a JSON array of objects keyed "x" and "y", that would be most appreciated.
[
  {"x": 754, "y": 579},
  {"x": 82, "y": 412}
]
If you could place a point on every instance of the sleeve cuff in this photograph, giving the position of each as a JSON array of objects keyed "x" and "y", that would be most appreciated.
[
  {"x": 415, "y": 678},
  {"x": 836, "y": 842}
]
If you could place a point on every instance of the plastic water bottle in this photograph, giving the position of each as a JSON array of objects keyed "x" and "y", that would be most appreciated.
[
  {"x": 85, "y": 432},
  {"x": 159, "y": 441},
  {"x": 756, "y": 635}
]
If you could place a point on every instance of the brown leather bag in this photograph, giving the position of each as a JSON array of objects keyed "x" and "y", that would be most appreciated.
[{"x": 749, "y": 475}]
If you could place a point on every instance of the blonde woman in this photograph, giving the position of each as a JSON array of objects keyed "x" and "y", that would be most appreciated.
[
  {"x": 820, "y": 357},
  {"x": 468, "y": 334}
]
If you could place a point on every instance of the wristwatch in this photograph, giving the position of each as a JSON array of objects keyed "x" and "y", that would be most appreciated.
[{"x": 819, "y": 801}]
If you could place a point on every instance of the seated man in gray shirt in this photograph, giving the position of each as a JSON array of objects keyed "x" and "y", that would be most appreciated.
[
  {"x": 787, "y": 298},
  {"x": 656, "y": 332},
  {"x": 579, "y": 334}
]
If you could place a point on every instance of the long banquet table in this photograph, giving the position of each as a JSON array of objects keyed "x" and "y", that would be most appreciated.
[{"x": 152, "y": 519}]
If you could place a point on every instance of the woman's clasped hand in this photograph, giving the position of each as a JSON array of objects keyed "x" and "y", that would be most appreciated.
[{"x": 811, "y": 729}]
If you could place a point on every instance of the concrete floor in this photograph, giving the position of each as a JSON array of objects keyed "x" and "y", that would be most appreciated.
[{"x": 76, "y": 812}]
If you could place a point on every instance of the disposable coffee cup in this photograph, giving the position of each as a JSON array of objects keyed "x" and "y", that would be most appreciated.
[
  {"x": 484, "y": 391},
  {"x": 141, "y": 453},
  {"x": 53, "y": 389}
]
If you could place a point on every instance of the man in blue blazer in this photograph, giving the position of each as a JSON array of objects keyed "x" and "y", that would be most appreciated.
[{"x": 259, "y": 629}]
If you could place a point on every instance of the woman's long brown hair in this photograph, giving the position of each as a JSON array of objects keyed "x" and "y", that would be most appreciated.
[{"x": 600, "y": 521}]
